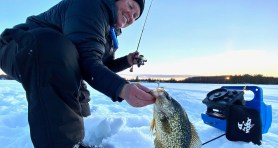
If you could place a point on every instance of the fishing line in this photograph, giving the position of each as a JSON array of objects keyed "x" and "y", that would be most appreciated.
[
  {"x": 141, "y": 60},
  {"x": 214, "y": 139},
  {"x": 144, "y": 25}
]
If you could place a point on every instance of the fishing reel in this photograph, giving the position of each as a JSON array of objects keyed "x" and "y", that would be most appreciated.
[
  {"x": 140, "y": 61},
  {"x": 219, "y": 100}
]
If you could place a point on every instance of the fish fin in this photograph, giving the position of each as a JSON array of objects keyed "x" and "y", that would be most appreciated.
[
  {"x": 195, "y": 140},
  {"x": 157, "y": 143},
  {"x": 152, "y": 126}
]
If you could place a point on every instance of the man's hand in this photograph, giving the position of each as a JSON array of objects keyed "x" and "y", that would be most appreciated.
[
  {"x": 132, "y": 58},
  {"x": 137, "y": 95}
]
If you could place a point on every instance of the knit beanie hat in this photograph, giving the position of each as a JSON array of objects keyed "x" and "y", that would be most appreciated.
[{"x": 141, "y": 4}]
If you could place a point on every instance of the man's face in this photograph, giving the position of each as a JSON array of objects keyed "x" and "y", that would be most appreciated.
[{"x": 128, "y": 11}]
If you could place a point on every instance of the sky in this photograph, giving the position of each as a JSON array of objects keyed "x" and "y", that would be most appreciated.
[
  {"x": 186, "y": 37},
  {"x": 118, "y": 125}
]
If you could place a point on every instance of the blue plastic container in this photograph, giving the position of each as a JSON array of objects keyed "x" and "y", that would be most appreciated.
[{"x": 256, "y": 103}]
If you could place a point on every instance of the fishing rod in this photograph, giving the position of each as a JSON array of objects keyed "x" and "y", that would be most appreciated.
[{"x": 141, "y": 60}]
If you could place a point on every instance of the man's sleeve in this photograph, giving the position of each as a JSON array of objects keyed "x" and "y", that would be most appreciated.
[{"x": 85, "y": 25}]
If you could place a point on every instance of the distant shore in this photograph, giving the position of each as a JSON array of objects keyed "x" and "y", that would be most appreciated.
[{"x": 225, "y": 79}]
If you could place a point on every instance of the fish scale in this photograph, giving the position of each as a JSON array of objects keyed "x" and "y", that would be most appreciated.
[{"x": 171, "y": 124}]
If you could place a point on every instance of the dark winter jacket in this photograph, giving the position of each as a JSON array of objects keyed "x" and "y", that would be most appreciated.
[{"x": 87, "y": 23}]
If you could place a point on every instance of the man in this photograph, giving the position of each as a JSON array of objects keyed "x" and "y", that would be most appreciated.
[{"x": 54, "y": 51}]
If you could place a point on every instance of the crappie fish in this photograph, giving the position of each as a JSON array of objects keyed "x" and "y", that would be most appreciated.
[{"x": 171, "y": 124}]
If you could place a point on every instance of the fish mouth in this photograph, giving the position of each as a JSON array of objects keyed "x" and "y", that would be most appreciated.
[
  {"x": 156, "y": 93},
  {"x": 163, "y": 102},
  {"x": 153, "y": 93}
]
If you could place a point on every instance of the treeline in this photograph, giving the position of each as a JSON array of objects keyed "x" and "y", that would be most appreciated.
[{"x": 236, "y": 79}]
